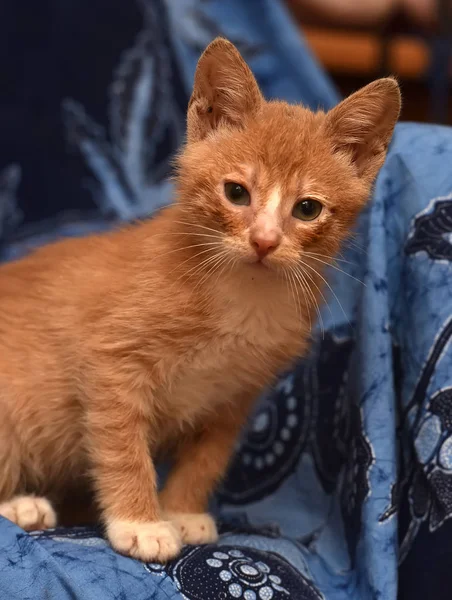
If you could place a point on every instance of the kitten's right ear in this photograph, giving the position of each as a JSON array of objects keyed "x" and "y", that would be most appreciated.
[
  {"x": 224, "y": 91},
  {"x": 361, "y": 126}
]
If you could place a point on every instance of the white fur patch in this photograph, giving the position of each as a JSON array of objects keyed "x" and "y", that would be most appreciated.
[
  {"x": 157, "y": 541},
  {"x": 29, "y": 512},
  {"x": 267, "y": 221},
  {"x": 274, "y": 200},
  {"x": 195, "y": 529}
]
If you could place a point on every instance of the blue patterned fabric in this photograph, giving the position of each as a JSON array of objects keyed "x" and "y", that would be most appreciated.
[{"x": 341, "y": 487}]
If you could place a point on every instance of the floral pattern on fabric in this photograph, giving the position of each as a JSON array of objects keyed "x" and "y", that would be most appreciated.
[{"x": 227, "y": 573}]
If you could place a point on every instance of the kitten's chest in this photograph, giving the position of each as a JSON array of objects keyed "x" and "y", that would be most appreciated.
[{"x": 242, "y": 352}]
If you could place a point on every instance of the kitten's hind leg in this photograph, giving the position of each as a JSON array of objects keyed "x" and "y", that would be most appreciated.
[{"x": 29, "y": 512}]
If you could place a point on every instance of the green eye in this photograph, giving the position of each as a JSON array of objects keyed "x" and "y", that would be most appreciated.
[
  {"x": 237, "y": 194},
  {"x": 307, "y": 210}
]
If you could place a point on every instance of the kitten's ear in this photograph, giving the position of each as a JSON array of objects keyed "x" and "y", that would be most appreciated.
[
  {"x": 225, "y": 91},
  {"x": 361, "y": 126}
]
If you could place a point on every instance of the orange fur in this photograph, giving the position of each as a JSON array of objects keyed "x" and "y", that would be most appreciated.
[{"x": 156, "y": 338}]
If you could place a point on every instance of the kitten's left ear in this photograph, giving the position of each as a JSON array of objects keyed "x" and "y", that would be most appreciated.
[
  {"x": 361, "y": 126},
  {"x": 225, "y": 91}
]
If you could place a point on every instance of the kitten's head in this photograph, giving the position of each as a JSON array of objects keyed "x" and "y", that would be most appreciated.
[{"x": 276, "y": 182}]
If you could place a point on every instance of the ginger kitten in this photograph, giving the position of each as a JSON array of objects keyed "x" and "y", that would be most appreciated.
[{"x": 118, "y": 348}]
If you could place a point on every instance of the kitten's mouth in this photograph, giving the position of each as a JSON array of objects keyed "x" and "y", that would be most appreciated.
[
  {"x": 256, "y": 263},
  {"x": 260, "y": 263}
]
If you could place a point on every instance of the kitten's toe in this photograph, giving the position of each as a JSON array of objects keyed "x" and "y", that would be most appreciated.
[
  {"x": 151, "y": 542},
  {"x": 29, "y": 512},
  {"x": 8, "y": 511},
  {"x": 195, "y": 528}
]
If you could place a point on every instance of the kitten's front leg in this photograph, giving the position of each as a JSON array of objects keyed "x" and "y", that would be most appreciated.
[
  {"x": 200, "y": 464},
  {"x": 125, "y": 483}
]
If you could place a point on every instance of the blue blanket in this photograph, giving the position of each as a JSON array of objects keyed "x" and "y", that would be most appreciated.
[{"x": 342, "y": 485}]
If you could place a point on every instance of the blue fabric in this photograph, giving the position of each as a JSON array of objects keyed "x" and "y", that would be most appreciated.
[{"x": 342, "y": 485}]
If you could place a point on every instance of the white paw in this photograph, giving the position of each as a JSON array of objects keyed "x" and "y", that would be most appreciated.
[
  {"x": 195, "y": 529},
  {"x": 29, "y": 512},
  {"x": 151, "y": 542}
]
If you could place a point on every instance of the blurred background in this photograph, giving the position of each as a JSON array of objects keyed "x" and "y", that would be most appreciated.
[{"x": 358, "y": 40}]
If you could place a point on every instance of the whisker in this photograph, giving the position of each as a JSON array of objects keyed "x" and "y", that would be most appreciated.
[
  {"x": 292, "y": 292},
  {"x": 305, "y": 296},
  {"x": 222, "y": 266},
  {"x": 331, "y": 289},
  {"x": 200, "y": 226},
  {"x": 188, "y": 247},
  {"x": 311, "y": 293},
  {"x": 311, "y": 278},
  {"x": 356, "y": 246},
  {"x": 197, "y": 269},
  {"x": 189, "y": 233},
  {"x": 292, "y": 278},
  {"x": 199, "y": 266},
  {"x": 226, "y": 264},
  {"x": 338, "y": 269},
  {"x": 191, "y": 258},
  {"x": 219, "y": 260},
  {"x": 335, "y": 259},
  {"x": 302, "y": 279}
]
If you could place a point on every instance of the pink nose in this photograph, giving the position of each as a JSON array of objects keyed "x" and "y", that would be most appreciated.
[{"x": 264, "y": 244}]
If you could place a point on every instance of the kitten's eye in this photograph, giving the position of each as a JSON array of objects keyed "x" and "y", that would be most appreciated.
[
  {"x": 307, "y": 210},
  {"x": 237, "y": 194}
]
